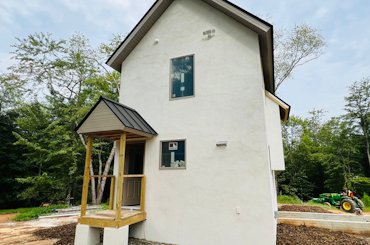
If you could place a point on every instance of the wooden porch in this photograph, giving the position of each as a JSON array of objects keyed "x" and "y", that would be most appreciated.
[
  {"x": 116, "y": 216},
  {"x": 107, "y": 218},
  {"x": 114, "y": 121}
]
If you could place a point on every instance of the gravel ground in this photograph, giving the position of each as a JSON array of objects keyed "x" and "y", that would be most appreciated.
[{"x": 286, "y": 235}]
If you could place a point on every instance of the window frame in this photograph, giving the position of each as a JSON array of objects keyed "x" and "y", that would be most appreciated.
[
  {"x": 160, "y": 155},
  {"x": 170, "y": 79}
]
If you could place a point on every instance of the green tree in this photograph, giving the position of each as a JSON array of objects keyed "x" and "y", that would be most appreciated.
[
  {"x": 358, "y": 108},
  {"x": 297, "y": 178},
  {"x": 339, "y": 154},
  {"x": 72, "y": 75},
  {"x": 52, "y": 150},
  {"x": 12, "y": 163},
  {"x": 320, "y": 156}
]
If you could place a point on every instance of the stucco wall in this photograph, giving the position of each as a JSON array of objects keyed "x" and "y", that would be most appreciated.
[
  {"x": 274, "y": 138},
  {"x": 198, "y": 205}
]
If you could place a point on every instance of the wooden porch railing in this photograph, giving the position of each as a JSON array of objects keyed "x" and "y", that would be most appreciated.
[
  {"x": 112, "y": 185},
  {"x": 142, "y": 188}
]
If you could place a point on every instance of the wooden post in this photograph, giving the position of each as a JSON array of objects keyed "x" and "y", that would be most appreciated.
[
  {"x": 122, "y": 148},
  {"x": 111, "y": 195},
  {"x": 85, "y": 187},
  {"x": 142, "y": 194}
]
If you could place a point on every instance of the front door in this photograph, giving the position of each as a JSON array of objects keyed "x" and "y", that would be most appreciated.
[{"x": 134, "y": 164}]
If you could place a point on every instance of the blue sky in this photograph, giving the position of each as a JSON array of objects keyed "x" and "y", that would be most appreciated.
[{"x": 321, "y": 84}]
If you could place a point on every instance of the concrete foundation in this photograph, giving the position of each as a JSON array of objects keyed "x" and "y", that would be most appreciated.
[
  {"x": 116, "y": 236},
  {"x": 86, "y": 235}
]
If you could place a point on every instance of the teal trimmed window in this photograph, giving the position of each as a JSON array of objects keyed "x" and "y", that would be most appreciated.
[
  {"x": 173, "y": 154},
  {"x": 182, "y": 76}
]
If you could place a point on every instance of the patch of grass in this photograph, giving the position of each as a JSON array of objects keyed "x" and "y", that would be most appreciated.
[
  {"x": 104, "y": 206},
  {"x": 24, "y": 214},
  {"x": 283, "y": 199},
  {"x": 9, "y": 211},
  {"x": 312, "y": 203},
  {"x": 366, "y": 200}
]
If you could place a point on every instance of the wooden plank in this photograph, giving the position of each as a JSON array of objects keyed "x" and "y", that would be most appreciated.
[
  {"x": 142, "y": 194},
  {"x": 102, "y": 222},
  {"x": 116, "y": 134},
  {"x": 133, "y": 175},
  {"x": 141, "y": 139},
  {"x": 111, "y": 194},
  {"x": 121, "y": 167},
  {"x": 86, "y": 179},
  {"x": 102, "y": 176},
  {"x": 110, "y": 132},
  {"x": 95, "y": 222},
  {"x": 132, "y": 219}
]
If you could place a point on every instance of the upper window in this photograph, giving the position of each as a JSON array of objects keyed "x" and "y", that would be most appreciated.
[{"x": 182, "y": 77}]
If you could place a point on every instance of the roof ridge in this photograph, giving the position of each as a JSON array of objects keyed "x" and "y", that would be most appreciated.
[{"x": 117, "y": 103}]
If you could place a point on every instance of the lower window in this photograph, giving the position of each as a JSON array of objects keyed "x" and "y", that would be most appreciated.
[{"x": 173, "y": 154}]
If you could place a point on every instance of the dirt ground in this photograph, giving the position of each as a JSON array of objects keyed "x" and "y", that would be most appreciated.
[
  {"x": 7, "y": 217},
  {"x": 303, "y": 235},
  {"x": 286, "y": 235},
  {"x": 23, "y": 232},
  {"x": 60, "y": 231},
  {"x": 311, "y": 209},
  {"x": 303, "y": 208}
]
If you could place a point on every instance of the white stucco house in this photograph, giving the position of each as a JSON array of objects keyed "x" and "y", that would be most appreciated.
[{"x": 201, "y": 74}]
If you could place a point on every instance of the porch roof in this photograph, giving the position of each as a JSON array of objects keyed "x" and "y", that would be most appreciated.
[{"x": 108, "y": 118}]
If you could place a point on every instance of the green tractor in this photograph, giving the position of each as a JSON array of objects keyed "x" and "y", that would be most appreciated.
[{"x": 346, "y": 201}]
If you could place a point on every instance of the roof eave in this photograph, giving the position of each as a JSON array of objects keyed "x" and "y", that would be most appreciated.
[
  {"x": 137, "y": 33},
  {"x": 283, "y": 106}
]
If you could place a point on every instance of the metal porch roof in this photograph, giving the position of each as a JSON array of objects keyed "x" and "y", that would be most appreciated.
[{"x": 129, "y": 117}]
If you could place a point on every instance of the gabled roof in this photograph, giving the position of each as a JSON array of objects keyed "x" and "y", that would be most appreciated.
[
  {"x": 113, "y": 117},
  {"x": 261, "y": 27}
]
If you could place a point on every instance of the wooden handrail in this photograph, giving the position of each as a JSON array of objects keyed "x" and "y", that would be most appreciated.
[
  {"x": 102, "y": 176},
  {"x": 133, "y": 175}
]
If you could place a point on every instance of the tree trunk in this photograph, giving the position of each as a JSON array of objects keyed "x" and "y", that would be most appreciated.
[
  {"x": 364, "y": 127},
  {"x": 100, "y": 168},
  {"x": 68, "y": 197},
  {"x": 106, "y": 170},
  {"x": 93, "y": 191},
  {"x": 368, "y": 151}
]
